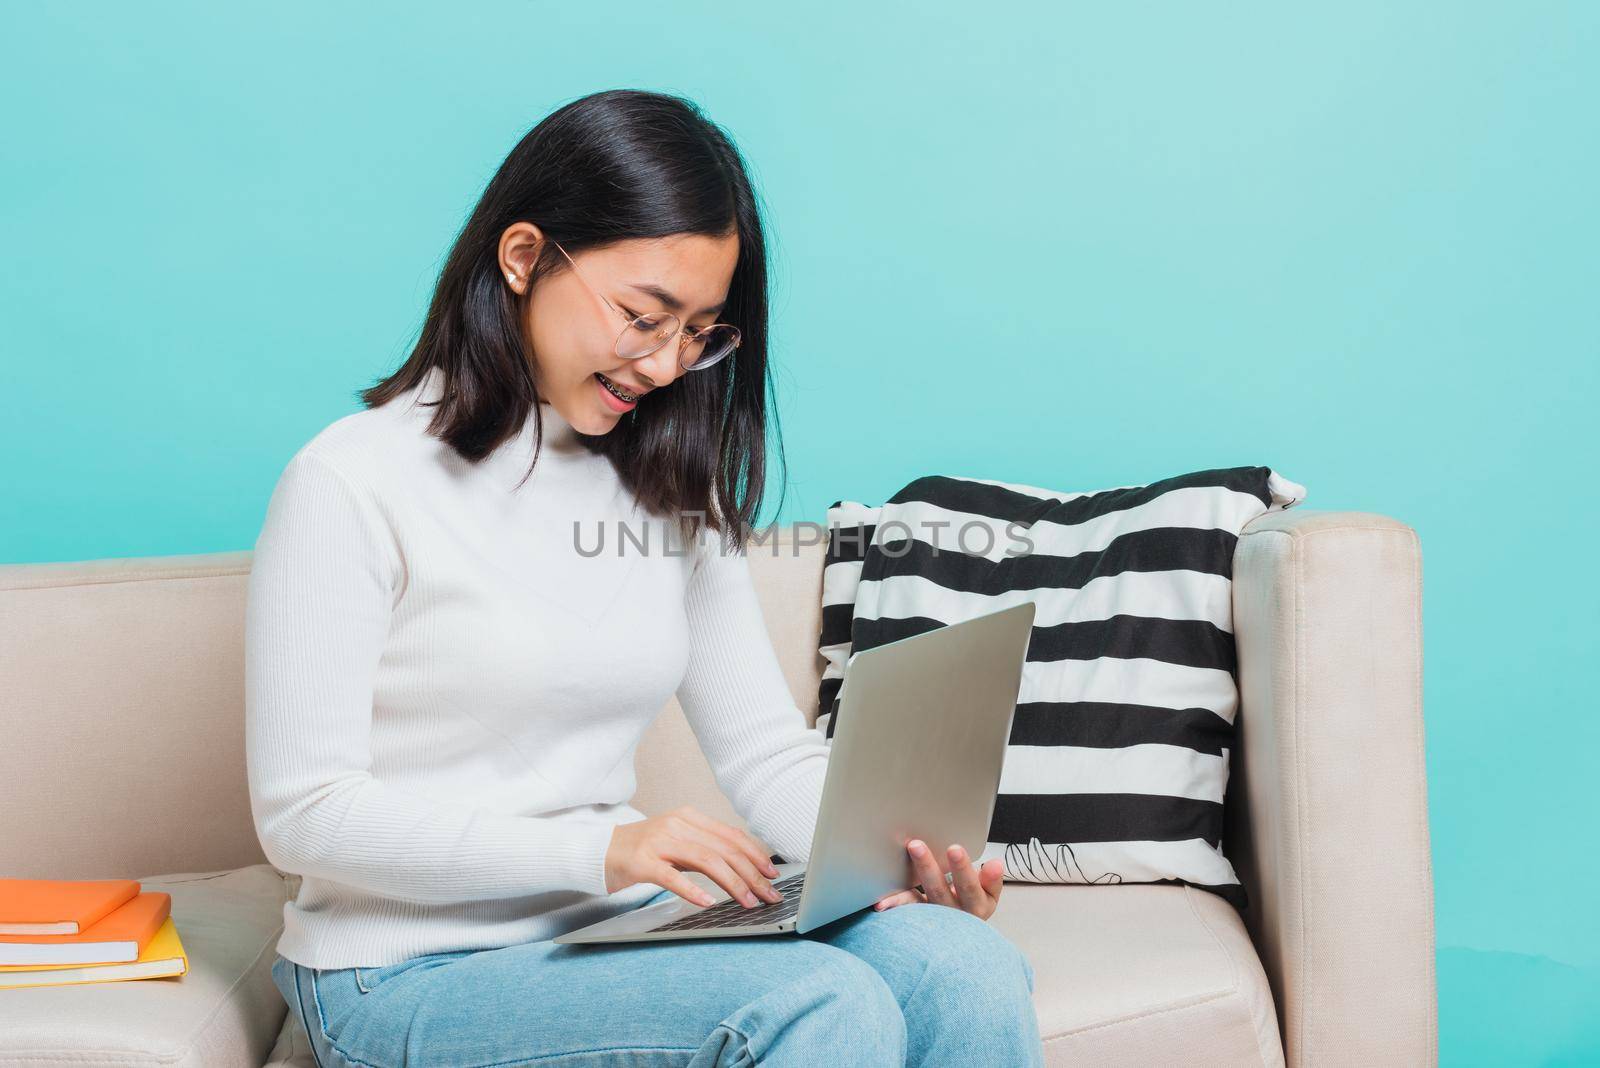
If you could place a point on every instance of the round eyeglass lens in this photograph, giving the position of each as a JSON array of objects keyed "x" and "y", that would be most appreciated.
[
  {"x": 646, "y": 334},
  {"x": 711, "y": 345}
]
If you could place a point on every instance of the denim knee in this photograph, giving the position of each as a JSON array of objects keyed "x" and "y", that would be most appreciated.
[
  {"x": 861, "y": 1004},
  {"x": 968, "y": 949}
]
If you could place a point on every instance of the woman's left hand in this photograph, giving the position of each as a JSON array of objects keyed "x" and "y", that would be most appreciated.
[{"x": 975, "y": 890}]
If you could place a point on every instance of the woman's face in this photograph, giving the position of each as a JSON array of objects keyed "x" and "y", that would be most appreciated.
[{"x": 573, "y": 334}]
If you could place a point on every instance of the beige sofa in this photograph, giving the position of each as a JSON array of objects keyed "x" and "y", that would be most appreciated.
[{"x": 122, "y": 754}]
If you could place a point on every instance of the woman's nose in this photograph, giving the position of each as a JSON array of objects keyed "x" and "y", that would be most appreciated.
[{"x": 660, "y": 368}]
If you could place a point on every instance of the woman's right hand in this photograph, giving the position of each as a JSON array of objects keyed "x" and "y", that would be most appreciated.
[{"x": 653, "y": 850}]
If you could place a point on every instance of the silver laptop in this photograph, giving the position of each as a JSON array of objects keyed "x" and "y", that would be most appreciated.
[{"x": 922, "y": 730}]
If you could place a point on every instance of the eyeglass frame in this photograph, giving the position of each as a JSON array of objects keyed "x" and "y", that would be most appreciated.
[{"x": 680, "y": 333}]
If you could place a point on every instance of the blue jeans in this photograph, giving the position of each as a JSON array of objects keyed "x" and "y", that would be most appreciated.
[{"x": 918, "y": 984}]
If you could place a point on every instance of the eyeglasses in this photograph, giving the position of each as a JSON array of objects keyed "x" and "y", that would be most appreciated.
[{"x": 644, "y": 334}]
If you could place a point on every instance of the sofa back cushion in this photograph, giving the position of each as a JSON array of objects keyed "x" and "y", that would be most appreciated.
[
  {"x": 122, "y": 702},
  {"x": 122, "y": 697}
]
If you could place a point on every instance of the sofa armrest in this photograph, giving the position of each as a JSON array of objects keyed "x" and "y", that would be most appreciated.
[{"x": 1331, "y": 838}]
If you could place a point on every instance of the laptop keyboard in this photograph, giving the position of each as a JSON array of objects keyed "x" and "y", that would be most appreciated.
[{"x": 731, "y": 913}]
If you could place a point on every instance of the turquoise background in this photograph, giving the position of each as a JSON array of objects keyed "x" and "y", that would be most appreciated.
[{"x": 1072, "y": 247}]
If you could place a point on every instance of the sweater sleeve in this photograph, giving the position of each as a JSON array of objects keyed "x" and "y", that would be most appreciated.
[
  {"x": 324, "y": 576},
  {"x": 768, "y": 763}
]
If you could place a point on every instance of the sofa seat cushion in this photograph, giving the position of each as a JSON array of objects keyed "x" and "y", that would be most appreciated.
[
  {"x": 1133, "y": 974},
  {"x": 1122, "y": 974},
  {"x": 1141, "y": 974},
  {"x": 224, "y": 1012}
]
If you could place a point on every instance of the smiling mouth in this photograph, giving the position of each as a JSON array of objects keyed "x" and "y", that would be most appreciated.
[{"x": 616, "y": 390}]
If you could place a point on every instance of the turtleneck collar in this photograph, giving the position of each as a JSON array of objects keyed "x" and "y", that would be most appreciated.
[{"x": 559, "y": 440}]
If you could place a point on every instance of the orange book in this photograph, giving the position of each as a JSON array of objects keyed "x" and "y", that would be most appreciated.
[
  {"x": 119, "y": 937},
  {"x": 163, "y": 956},
  {"x": 59, "y": 906}
]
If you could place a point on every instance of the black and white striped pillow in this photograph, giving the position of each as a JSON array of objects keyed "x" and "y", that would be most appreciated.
[{"x": 1119, "y": 751}]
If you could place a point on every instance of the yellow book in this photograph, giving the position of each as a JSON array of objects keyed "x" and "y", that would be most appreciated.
[{"x": 162, "y": 956}]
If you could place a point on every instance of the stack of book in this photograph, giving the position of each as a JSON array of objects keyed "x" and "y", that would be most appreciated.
[{"x": 57, "y": 932}]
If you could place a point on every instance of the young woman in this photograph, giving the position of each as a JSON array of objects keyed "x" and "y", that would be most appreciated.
[{"x": 446, "y": 682}]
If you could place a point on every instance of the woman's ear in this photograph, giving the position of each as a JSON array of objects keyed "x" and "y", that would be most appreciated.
[{"x": 519, "y": 248}]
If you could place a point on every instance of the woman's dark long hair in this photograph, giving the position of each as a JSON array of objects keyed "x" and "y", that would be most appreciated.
[{"x": 608, "y": 167}]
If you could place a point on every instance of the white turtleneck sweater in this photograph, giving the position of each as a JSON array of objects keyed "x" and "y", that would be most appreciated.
[{"x": 444, "y": 694}]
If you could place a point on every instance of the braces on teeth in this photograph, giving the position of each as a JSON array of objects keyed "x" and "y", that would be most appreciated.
[{"x": 604, "y": 381}]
